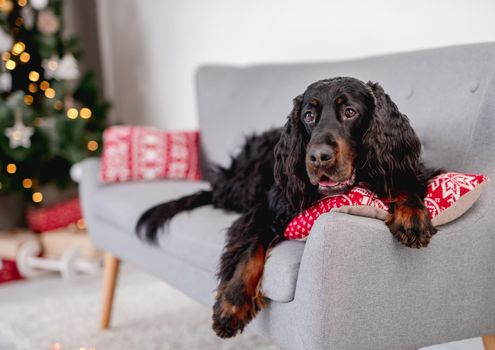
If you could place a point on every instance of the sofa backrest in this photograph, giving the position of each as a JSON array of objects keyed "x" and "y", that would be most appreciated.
[{"x": 447, "y": 93}]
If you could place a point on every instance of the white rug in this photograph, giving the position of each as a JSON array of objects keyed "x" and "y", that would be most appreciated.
[{"x": 148, "y": 314}]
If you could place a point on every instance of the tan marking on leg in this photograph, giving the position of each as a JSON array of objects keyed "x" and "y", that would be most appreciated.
[
  {"x": 403, "y": 214},
  {"x": 239, "y": 312},
  {"x": 253, "y": 271}
]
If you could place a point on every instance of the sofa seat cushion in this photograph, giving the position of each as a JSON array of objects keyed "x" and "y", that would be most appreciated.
[
  {"x": 199, "y": 236},
  {"x": 196, "y": 237},
  {"x": 121, "y": 204}
]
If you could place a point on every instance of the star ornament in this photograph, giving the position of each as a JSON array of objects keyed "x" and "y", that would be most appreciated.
[{"x": 19, "y": 135}]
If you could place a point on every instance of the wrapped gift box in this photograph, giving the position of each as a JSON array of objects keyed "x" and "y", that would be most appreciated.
[
  {"x": 55, "y": 216},
  {"x": 8, "y": 271},
  {"x": 11, "y": 240},
  {"x": 56, "y": 242}
]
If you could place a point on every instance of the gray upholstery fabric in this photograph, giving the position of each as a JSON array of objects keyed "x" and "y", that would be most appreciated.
[
  {"x": 196, "y": 237},
  {"x": 375, "y": 294},
  {"x": 440, "y": 90},
  {"x": 121, "y": 204},
  {"x": 351, "y": 285}
]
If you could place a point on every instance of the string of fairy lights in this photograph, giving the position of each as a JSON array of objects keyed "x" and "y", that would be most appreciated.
[{"x": 62, "y": 69}]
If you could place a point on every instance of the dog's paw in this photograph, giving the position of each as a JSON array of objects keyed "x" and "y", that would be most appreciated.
[
  {"x": 411, "y": 226},
  {"x": 229, "y": 319}
]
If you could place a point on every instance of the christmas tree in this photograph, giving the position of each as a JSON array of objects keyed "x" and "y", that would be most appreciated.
[{"x": 50, "y": 115}]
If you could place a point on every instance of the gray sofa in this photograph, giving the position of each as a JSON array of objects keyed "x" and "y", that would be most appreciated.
[{"x": 350, "y": 285}]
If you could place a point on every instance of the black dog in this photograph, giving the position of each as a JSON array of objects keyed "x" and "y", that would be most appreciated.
[{"x": 340, "y": 131}]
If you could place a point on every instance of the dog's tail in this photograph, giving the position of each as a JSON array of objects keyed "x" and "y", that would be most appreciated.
[{"x": 154, "y": 218}]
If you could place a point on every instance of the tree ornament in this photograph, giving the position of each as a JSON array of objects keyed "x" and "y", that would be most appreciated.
[
  {"x": 67, "y": 68},
  {"x": 6, "y": 41},
  {"x": 5, "y": 81},
  {"x": 27, "y": 14},
  {"x": 48, "y": 23},
  {"x": 39, "y": 4},
  {"x": 19, "y": 134},
  {"x": 50, "y": 65}
]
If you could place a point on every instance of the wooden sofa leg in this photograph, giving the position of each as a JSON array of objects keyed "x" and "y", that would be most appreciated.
[
  {"x": 110, "y": 274},
  {"x": 489, "y": 342}
]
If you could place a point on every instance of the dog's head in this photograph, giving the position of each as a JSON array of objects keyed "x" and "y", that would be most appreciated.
[
  {"x": 340, "y": 131},
  {"x": 335, "y": 114}
]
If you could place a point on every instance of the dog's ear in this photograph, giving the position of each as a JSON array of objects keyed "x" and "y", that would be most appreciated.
[
  {"x": 289, "y": 169},
  {"x": 392, "y": 149}
]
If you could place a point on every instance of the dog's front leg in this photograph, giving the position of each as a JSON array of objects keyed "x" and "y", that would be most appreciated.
[{"x": 238, "y": 297}]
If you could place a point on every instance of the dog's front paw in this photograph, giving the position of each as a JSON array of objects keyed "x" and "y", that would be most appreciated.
[
  {"x": 229, "y": 316},
  {"x": 411, "y": 226},
  {"x": 229, "y": 319}
]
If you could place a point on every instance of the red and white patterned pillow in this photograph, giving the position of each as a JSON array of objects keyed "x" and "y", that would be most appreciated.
[
  {"x": 449, "y": 196},
  {"x": 145, "y": 153}
]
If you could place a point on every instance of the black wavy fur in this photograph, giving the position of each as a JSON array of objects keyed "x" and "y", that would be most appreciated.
[
  {"x": 153, "y": 219},
  {"x": 279, "y": 173}
]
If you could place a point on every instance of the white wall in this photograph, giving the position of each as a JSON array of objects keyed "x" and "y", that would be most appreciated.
[{"x": 151, "y": 48}]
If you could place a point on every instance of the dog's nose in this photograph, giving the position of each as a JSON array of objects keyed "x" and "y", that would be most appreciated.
[{"x": 320, "y": 154}]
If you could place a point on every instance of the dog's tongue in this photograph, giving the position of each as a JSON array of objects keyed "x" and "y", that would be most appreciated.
[{"x": 328, "y": 183}]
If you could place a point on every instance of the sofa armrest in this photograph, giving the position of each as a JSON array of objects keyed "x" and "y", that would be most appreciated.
[
  {"x": 361, "y": 289},
  {"x": 87, "y": 187}
]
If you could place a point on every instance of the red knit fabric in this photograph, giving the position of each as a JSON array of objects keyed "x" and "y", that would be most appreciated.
[
  {"x": 144, "y": 153},
  {"x": 8, "y": 271},
  {"x": 55, "y": 216},
  {"x": 443, "y": 191}
]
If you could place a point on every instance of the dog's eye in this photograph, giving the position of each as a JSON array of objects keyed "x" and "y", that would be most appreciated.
[
  {"x": 309, "y": 117},
  {"x": 350, "y": 112}
]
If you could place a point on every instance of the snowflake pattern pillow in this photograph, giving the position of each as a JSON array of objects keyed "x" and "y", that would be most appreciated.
[
  {"x": 145, "y": 153},
  {"x": 448, "y": 196}
]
